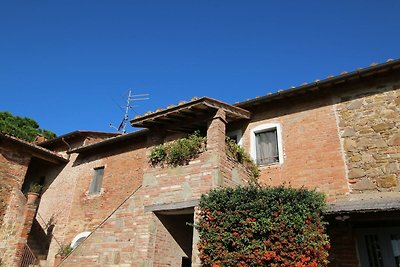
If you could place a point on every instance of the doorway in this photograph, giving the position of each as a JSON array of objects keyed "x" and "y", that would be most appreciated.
[
  {"x": 174, "y": 237},
  {"x": 379, "y": 247}
]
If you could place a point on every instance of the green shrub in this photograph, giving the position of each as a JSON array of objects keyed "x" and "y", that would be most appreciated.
[
  {"x": 252, "y": 226},
  {"x": 158, "y": 155},
  {"x": 35, "y": 188},
  {"x": 65, "y": 250},
  {"x": 178, "y": 152},
  {"x": 237, "y": 152}
]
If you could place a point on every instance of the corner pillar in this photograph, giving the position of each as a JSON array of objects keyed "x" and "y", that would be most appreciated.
[{"x": 216, "y": 131}]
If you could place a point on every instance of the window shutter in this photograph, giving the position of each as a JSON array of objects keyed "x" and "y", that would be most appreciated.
[
  {"x": 267, "y": 147},
  {"x": 97, "y": 180}
]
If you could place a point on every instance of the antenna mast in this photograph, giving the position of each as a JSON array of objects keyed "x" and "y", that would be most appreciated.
[{"x": 122, "y": 126}]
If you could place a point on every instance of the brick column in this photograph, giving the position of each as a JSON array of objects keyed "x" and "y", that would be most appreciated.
[
  {"x": 216, "y": 132},
  {"x": 29, "y": 216}
]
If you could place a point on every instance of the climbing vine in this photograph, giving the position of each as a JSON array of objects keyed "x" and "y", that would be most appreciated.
[{"x": 237, "y": 152}]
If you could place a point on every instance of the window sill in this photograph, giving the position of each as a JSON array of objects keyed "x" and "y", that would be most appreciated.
[{"x": 269, "y": 165}]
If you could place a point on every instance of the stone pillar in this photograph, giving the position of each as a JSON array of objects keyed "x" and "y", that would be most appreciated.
[
  {"x": 195, "y": 251},
  {"x": 216, "y": 132}
]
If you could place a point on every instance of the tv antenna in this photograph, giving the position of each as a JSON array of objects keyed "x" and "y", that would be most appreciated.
[{"x": 122, "y": 126}]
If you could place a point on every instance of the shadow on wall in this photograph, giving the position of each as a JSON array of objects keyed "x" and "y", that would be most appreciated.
[{"x": 111, "y": 150}]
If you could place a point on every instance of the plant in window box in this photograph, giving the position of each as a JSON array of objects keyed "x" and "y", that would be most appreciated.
[{"x": 34, "y": 192}]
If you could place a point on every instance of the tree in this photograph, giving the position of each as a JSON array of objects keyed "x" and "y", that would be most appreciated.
[{"x": 22, "y": 127}]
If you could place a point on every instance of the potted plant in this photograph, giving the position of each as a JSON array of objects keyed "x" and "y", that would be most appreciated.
[
  {"x": 33, "y": 192},
  {"x": 63, "y": 252}
]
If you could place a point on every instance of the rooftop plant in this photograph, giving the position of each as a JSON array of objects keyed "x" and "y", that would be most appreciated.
[{"x": 178, "y": 152}]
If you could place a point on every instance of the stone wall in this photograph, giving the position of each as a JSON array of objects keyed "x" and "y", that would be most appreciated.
[
  {"x": 163, "y": 185},
  {"x": 369, "y": 122}
]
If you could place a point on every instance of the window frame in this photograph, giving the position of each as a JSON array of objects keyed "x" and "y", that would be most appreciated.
[{"x": 265, "y": 128}]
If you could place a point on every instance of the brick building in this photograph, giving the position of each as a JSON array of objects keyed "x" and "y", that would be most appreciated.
[{"x": 340, "y": 135}]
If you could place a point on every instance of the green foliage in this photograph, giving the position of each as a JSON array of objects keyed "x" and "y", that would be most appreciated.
[
  {"x": 65, "y": 250},
  {"x": 23, "y": 128},
  {"x": 237, "y": 152},
  {"x": 179, "y": 152},
  {"x": 253, "y": 226},
  {"x": 158, "y": 154},
  {"x": 35, "y": 188}
]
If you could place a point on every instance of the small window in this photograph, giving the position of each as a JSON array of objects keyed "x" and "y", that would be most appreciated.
[
  {"x": 266, "y": 144},
  {"x": 97, "y": 180},
  {"x": 267, "y": 151}
]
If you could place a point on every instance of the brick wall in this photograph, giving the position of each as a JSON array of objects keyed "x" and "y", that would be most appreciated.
[
  {"x": 56, "y": 202},
  {"x": 166, "y": 252},
  {"x": 76, "y": 210},
  {"x": 126, "y": 238},
  {"x": 12, "y": 227},
  {"x": 343, "y": 241},
  {"x": 13, "y": 166},
  {"x": 131, "y": 228},
  {"x": 312, "y": 155}
]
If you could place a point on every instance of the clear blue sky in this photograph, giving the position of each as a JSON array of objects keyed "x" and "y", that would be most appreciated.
[{"x": 68, "y": 64}]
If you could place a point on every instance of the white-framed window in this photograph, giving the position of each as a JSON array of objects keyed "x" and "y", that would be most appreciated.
[
  {"x": 266, "y": 144},
  {"x": 235, "y": 136},
  {"x": 97, "y": 180}
]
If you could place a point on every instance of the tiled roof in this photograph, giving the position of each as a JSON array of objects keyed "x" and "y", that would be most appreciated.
[
  {"x": 74, "y": 134},
  {"x": 191, "y": 113},
  {"x": 32, "y": 147},
  {"x": 343, "y": 77},
  {"x": 110, "y": 141}
]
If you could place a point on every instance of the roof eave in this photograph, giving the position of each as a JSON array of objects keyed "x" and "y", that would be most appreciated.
[
  {"x": 362, "y": 72},
  {"x": 35, "y": 150},
  {"x": 107, "y": 142},
  {"x": 193, "y": 107}
]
